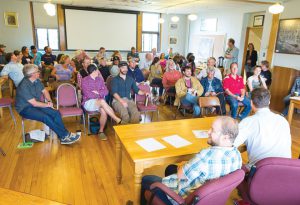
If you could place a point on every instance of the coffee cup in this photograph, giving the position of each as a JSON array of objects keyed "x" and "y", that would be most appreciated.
[{"x": 296, "y": 94}]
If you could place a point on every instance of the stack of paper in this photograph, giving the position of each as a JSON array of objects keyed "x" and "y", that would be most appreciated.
[
  {"x": 200, "y": 133},
  {"x": 176, "y": 141},
  {"x": 150, "y": 144},
  {"x": 38, "y": 135}
]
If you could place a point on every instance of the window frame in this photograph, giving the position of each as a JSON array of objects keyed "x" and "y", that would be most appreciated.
[
  {"x": 158, "y": 33},
  {"x": 37, "y": 38}
]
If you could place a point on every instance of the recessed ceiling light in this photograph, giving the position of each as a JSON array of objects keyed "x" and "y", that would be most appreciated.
[
  {"x": 192, "y": 17},
  {"x": 175, "y": 19},
  {"x": 276, "y": 8},
  {"x": 161, "y": 20}
]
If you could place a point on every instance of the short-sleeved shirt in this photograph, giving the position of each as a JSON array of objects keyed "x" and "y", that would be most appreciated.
[
  {"x": 14, "y": 71},
  {"x": 26, "y": 59},
  {"x": 89, "y": 85},
  {"x": 48, "y": 59},
  {"x": 64, "y": 74},
  {"x": 233, "y": 85},
  {"x": 37, "y": 60},
  {"x": 28, "y": 90},
  {"x": 123, "y": 87},
  {"x": 133, "y": 55},
  {"x": 208, "y": 164}
]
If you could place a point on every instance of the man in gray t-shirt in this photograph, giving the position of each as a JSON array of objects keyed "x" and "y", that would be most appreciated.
[{"x": 13, "y": 69}]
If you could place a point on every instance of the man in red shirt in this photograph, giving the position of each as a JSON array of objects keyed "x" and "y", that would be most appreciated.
[{"x": 235, "y": 92}]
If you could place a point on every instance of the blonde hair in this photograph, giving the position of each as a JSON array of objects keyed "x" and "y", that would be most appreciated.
[{"x": 63, "y": 59}]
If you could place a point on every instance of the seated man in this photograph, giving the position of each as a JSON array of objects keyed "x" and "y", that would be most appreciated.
[
  {"x": 36, "y": 55},
  {"x": 188, "y": 90},
  {"x": 47, "y": 61},
  {"x": 294, "y": 91},
  {"x": 211, "y": 63},
  {"x": 13, "y": 69},
  {"x": 122, "y": 103},
  {"x": 114, "y": 69},
  {"x": 145, "y": 65},
  {"x": 134, "y": 71},
  {"x": 216, "y": 161},
  {"x": 2, "y": 56},
  {"x": 104, "y": 69},
  {"x": 29, "y": 106},
  {"x": 133, "y": 54},
  {"x": 213, "y": 87},
  {"x": 235, "y": 92},
  {"x": 265, "y": 133}
]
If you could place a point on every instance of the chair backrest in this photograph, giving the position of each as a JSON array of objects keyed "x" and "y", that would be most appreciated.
[
  {"x": 142, "y": 98},
  {"x": 209, "y": 101},
  {"x": 217, "y": 191},
  {"x": 66, "y": 95},
  {"x": 275, "y": 181},
  {"x": 108, "y": 82}
]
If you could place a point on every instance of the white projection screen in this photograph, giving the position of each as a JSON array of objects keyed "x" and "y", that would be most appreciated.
[{"x": 90, "y": 30}]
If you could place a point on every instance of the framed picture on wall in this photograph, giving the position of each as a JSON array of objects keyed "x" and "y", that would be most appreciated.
[
  {"x": 288, "y": 36},
  {"x": 173, "y": 26},
  {"x": 11, "y": 19},
  {"x": 172, "y": 40},
  {"x": 258, "y": 20}
]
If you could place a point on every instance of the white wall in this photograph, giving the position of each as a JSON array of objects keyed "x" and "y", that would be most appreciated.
[
  {"x": 41, "y": 18},
  {"x": 15, "y": 38},
  {"x": 180, "y": 33}
]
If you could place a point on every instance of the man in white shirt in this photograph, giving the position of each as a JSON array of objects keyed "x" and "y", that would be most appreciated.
[
  {"x": 211, "y": 63},
  {"x": 265, "y": 133}
]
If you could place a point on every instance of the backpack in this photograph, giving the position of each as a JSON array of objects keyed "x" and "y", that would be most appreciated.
[{"x": 94, "y": 125}]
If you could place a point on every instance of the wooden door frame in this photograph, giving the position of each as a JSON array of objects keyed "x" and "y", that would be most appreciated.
[{"x": 245, "y": 51}]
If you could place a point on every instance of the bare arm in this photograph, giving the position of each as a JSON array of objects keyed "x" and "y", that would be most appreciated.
[
  {"x": 47, "y": 95},
  {"x": 35, "y": 103}
]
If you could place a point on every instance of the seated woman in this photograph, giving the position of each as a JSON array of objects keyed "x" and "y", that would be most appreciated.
[
  {"x": 155, "y": 76},
  {"x": 83, "y": 71},
  {"x": 171, "y": 76},
  {"x": 63, "y": 72},
  {"x": 163, "y": 62},
  {"x": 294, "y": 92},
  {"x": 256, "y": 81},
  {"x": 94, "y": 92}
]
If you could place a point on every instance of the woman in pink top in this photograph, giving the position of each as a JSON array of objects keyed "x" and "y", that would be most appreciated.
[
  {"x": 94, "y": 92},
  {"x": 163, "y": 62},
  {"x": 170, "y": 77}
]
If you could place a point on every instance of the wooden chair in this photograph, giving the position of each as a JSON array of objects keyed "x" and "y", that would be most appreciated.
[{"x": 209, "y": 102}]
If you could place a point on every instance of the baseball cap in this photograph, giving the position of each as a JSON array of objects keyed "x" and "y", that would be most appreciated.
[
  {"x": 123, "y": 63},
  {"x": 2, "y": 46}
]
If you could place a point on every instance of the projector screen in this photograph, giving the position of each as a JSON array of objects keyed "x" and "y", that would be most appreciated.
[{"x": 90, "y": 30}]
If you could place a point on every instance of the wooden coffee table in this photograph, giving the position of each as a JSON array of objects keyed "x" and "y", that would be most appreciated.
[{"x": 294, "y": 103}]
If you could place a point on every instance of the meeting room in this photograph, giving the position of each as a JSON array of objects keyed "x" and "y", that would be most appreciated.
[{"x": 149, "y": 102}]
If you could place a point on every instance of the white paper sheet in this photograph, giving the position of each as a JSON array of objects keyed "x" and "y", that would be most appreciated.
[
  {"x": 176, "y": 141},
  {"x": 200, "y": 133},
  {"x": 38, "y": 135},
  {"x": 150, "y": 144}
]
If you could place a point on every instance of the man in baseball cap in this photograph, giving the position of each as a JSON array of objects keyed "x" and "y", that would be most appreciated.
[{"x": 2, "y": 56}]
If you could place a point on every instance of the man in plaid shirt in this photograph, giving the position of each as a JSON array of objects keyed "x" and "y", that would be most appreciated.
[{"x": 216, "y": 161}]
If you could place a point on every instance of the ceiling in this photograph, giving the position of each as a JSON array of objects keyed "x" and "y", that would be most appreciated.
[{"x": 167, "y": 6}]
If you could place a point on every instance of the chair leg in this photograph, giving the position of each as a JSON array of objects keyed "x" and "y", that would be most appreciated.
[
  {"x": 83, "y": 119},
  {"x": 12, "y": 115},
  {"x": 157, "y": 115},
  {"x": 23, "y": 131},
  {"x": 88, "y": 122}
]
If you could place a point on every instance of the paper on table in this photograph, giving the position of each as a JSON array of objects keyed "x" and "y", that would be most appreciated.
[
  {"x": 295, "y": 98},
  {"x": 38, "y": 135},
  {"x": 176, "y": 141},
  {"x": 150, "y": 144},
  {"x": 200, "y": 133}
]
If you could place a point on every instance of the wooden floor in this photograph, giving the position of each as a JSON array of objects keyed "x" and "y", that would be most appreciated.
[{"x": 79, "y": 174}]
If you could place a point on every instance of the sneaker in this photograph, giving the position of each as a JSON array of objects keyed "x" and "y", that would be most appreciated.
[
  {"x": 70, "y": 139},
  {"x": 102, "y": 136}
]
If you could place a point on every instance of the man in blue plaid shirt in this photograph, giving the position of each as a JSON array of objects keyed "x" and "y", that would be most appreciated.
[{"x": 216, "y": 161}]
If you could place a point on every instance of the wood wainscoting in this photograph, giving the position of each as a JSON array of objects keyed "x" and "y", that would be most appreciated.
[{"x": 282, "y": 82}]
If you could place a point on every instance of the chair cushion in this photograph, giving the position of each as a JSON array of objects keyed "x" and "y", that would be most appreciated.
[
  {"x": 149, "y": 107},
  {"x": 4, "y": 102},
  {"x": 70, "y": 111}
]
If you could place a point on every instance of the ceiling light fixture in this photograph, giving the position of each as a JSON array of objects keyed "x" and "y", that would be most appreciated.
[
  {"x": 175, "y": 19},
  {"x": 161, "y": 20},
  {"x": 276, "y": 8},
  {"x": 192, "y": 17},
  {"x": 50, "y": 9}
]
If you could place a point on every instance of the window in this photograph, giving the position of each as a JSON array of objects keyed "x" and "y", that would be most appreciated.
[
  {"x": 150, "y": 31},
  {"x": 47, "y": 37}
]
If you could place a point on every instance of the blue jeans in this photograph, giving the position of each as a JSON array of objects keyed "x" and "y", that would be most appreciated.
[
  {"x": 48, "y": 116},
  {"x": 233, "y": 103},
  {"x": 146, "y": 183},
  {"x": 191, "y": 100},
  {"x": 286, "y": 101}
]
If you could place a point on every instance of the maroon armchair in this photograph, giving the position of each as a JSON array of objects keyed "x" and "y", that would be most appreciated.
[
  {"x": 273, "y": 181},
  {"x": 214, "y": 192}
]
